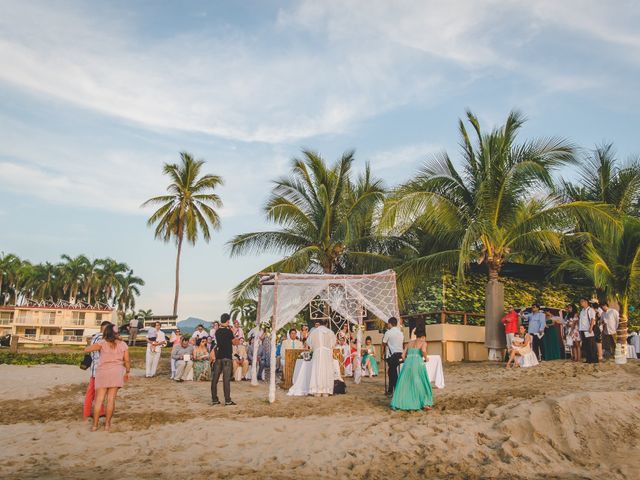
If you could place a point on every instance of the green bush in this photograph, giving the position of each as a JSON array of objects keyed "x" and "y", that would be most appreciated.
[
  {"x": 40, "y": 358},
  {"x": 468, "y": 296}
]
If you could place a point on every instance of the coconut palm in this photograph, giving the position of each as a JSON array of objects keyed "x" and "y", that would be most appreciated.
[
  {"x": 9, "y": 277},
  {"x": 187, "y": 210},
  {"x": 128, "y": 289},
  {"x": 324, "y": 220},
  {"x": 497, "y": 207},
  {"x": 603, "y": 179},
  {"x": 111, "y": 275},
  {"x": 73, "y": 270},
  {"x": 613, "y": 265}
]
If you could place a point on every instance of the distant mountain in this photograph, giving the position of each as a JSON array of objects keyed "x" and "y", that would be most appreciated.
[{"x": 189, "y": 325}]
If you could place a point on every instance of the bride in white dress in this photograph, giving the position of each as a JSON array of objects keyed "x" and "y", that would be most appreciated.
[{"x": 321, "y": 340}]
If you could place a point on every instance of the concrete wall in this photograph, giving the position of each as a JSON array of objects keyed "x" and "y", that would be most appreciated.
[{"x": 453, "y": 343}]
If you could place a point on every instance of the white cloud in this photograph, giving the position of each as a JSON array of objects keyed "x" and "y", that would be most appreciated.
[{"x": 402, "y": 156}]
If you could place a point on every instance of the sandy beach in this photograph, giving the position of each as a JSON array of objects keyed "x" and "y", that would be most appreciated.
[{"x": 561, "y": 420}]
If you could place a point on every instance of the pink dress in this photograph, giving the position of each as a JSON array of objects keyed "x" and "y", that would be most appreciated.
[{"x": 110, "y": 370}]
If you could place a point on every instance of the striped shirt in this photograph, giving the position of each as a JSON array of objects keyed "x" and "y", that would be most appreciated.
[{"x": 95, "y": 356}]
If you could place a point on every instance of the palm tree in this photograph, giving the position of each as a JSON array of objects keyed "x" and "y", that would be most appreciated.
[
  {"x": 9, "y": 277},
  {"x": 127, "y": 291},
  {"x": 613, "y": 265},
  {"x": 245, "y": 311},
  {"x": 111, "y": 276},
  {"x": 603, "y": 179},
  {"x": 73, "y": 272},
  {"x": 187, "y": 209},
  {"x": 498, "y": 207},
  {"x": 324, "y": 221}
]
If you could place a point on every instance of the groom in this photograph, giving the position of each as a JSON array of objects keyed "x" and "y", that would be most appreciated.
[
  {"x": 392, "y": 343},
  {"x": 321, "y": 340}
]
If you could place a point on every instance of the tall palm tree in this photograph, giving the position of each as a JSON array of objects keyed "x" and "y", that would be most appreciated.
[
  {"x": 111, "y": 276},
  {"x": 613, "y": 265},
  {"x": 498, "y": 207},
  {"x": 604, "y": 179},
  {"x": 187, "y": 209},
  {"x": 324, "y": 222},
  {"x": 9, "y": 277}
]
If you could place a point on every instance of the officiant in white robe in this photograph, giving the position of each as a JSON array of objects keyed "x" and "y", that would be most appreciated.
[{"x": 321, "y": 340}]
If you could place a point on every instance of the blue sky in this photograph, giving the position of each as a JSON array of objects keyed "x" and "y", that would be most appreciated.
[{"x": 96, "y": 96}]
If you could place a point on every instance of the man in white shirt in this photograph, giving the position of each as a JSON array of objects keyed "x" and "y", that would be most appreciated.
[
  {"x": 156, "y": 339},
  {"x": 611, "y": 320},
  {"x": 200, "y": 332},
  {"x": 134, "y": 325},
  {"x": 288, "y": 344},
  {"x": 393, "y": 345},
  {"x": 586, "y": 323}
]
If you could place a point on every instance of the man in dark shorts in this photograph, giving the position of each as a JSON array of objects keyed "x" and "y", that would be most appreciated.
[{"x": 223, "y": 363}]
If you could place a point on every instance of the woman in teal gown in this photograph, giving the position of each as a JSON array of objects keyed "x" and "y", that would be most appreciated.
[
  {"x": 413, "y": 389},
  {"x": 551, "y": 339},
  {"x": 369, "y": 362}
]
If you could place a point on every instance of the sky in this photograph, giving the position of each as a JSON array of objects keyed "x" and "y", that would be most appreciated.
[{"x": 96, "y": 96}]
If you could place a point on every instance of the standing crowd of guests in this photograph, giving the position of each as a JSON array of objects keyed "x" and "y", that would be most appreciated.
[{"x": 584, "y": 333}]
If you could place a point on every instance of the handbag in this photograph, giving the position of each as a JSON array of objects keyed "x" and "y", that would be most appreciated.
[
  {"x": 339, "y": 387},
  {"x": 86, "y": 361}
]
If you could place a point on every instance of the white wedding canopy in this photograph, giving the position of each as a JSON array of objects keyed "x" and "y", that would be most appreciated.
[{"x": 283, "y": 295}]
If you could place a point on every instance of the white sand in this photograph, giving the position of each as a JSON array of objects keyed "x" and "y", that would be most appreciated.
[
  {"x": 558, "y": 421},
  {"x": 19, "y": 382}
]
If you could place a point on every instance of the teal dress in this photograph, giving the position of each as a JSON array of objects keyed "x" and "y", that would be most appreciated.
[
  {"x": 413, "y": 390},
  {"x": 369, "y": 355},
  {"x": 551, "y": 342}
]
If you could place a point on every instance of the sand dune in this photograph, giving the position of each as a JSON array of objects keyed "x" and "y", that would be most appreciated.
[{"x": 558, "y": 421}]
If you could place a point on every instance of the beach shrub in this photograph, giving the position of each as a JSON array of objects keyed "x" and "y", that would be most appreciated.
[
  {"x": 10, "y": 358},
  {"x": 469, "y": 296}
]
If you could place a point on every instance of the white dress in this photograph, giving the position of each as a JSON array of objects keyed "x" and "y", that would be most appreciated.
[{"x": 321, "y": 340}]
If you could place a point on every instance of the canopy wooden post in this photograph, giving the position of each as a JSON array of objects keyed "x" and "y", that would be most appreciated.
[
  {"x": 274, "y": 331},
  {"x": 256, "y": 339}
]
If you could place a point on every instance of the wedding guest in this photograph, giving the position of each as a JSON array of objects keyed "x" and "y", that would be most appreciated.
[
  {"x": 214, "y": 328},
  {"x": 112, "y": 371},
  {"x": 183, "y": 355},
  {"x": 304, "y": 334},
  {"x": 240, "y": 361},
  {"x": 611, "y": 321},
  {"x": 134, "y": 325},
  {"x": 510, "y": 322},
  {"x": 369, "y": 362},
  {"x": 413, "y": 388},
  {"x": 175, "y": 340},
  {"x": 392, "y": 343},
  {"x": 573, "y": 332},
  {"x": 201, "y": 366},
  {"x": 536, "y": 325},
  {"x": 521, "y": 350},
  {"x": 597, "y": 330},
  {"x": 237, "y": 329},
  {"x": 586, "y": 323},
  {"x": 199, "y": 333},
  {"x": 223, "y": 361},
  {"x": 90, "y": 395},
  {"x": 155, "y": 341},
  {"x": 551, "y": 339},
  {"x": 264, "y": 356}
]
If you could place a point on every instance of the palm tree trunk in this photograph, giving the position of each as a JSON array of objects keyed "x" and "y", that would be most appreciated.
[
  {"x": 175, "y": 300},
  {"x": 494, "y": 338},
  {"x": 622, "y": 333}
]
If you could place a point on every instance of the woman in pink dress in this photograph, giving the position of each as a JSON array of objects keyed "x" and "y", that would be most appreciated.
[{"x": 112, "y": 371}]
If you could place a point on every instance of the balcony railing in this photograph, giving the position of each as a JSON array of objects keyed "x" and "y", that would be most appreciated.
[
  {"x": 72, "y": 338},
  {"x": 77, "y": 321}
]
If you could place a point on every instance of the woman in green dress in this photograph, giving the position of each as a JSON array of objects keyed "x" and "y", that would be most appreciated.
[
  {"x": 369, "y": 362},
  {"x": 551, "y": 339},
  {"x": 201, "y": 368},
  {"x": 413, "y": 389}
]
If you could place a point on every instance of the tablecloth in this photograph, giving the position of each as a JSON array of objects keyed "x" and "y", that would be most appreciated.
[
  {"x": 302, "y": 377},
  {"x": 434, "y": 370}
]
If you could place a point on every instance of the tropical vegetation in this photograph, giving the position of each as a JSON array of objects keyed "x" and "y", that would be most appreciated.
[
  {"x": 187, "y": 210},
  {"x": 324, "y": 216},
  {"x": 72, "y": 279}
]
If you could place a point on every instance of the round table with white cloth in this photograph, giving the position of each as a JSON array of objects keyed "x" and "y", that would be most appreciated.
[
  {"x": 434, "y": 370},
  {"x": 302, "y": 377}
]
